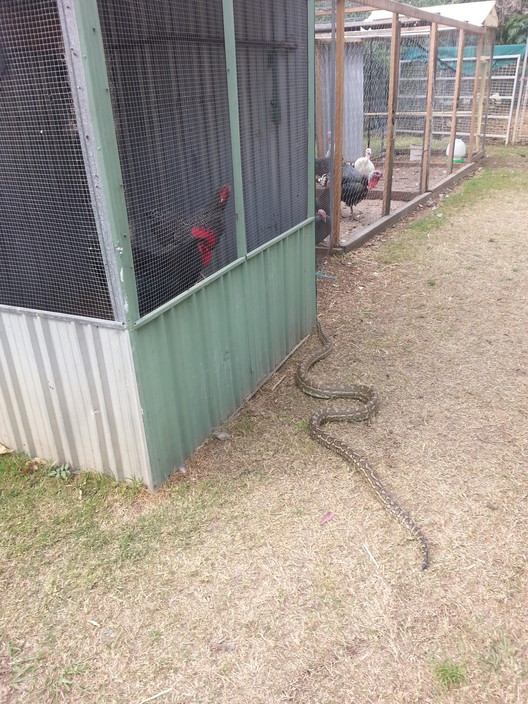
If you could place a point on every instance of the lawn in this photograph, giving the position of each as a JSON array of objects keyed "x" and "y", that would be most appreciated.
[{"x": 268, "y": 572}]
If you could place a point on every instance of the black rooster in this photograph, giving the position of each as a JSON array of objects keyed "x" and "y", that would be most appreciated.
[
  {"x": 323, "y": 222},
  {"x": 179, "y": 247},
  {"x": 355, "y": 186}
]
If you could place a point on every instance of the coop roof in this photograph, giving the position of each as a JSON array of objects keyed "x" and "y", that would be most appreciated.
[{"x": 480, "y": 14}]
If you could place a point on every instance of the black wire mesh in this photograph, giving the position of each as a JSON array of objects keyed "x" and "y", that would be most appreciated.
[
  {"x": 272, "y": 69},
  {"x": 166, "y": 65},
  {"x": 49, "y": 250}
]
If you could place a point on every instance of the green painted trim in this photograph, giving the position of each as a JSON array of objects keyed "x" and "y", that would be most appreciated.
[
  {"x": 98, "y": 93},
  {"x": 311, "y": 108},
  {"x": 190, "y": 292},
  {"x": 234, "y": 119},
  {"x": 280, "y": 237}
]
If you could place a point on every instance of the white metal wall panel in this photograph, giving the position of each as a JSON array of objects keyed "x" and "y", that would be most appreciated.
[{"x": 68, "y": 392}]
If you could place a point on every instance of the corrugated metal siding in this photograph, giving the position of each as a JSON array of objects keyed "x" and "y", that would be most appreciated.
[
  {"x": 353, "y": 97},
  {"x": 68, "y": 393},
  {"x": 199, "y": 360}
]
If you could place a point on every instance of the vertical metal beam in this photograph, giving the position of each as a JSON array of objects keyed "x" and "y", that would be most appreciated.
[
  {"x": 86, "y": 64},
  {"x": 428, "y": 127},
  {"x": 338, "y": 120},
  {"x": 521, "y": 90},
  {"x": 391, "y": 113},
  {"x": 473, "y": 122},
  {"x": 311, "y": 107},
  {"x": 234, "y": 122},
  {"x": 456, "y": 97},
  {"x": 512, "y": 101}
]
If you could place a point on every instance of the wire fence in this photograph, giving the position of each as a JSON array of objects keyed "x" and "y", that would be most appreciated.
[
  {"x": 272, "y": 50},
  {"x": 166, "y": 65},
  {"x": 50, "y": 257},
  {"x": 404, "y": 113}
]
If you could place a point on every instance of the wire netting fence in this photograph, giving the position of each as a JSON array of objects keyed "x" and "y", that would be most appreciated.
[
  {"x": 272, "y": 50},
  {"x": 50, "y": 257},
  {"x": 168, "y": 75},
  {"x": 436, "y": 107},
  {"x": 166, "y": 65}
]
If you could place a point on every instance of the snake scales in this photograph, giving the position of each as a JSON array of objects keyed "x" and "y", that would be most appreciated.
[{"x": 368, "y": 397}]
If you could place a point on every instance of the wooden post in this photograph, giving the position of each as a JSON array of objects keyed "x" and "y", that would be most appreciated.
[
  {"x": 456, "y": 96},
  {"x": 490, "y": 38},
  {"x": 428, "y": 127},
  {"x": 338, "y": 120},
  {"x": 318, "y": 102},
  {"x": 391, "y": 110},
  {"x": 484, "y": 70},
  {"x": 473, "y": 123}
]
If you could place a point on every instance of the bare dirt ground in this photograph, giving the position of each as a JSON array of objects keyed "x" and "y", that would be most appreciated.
[
  {"x": 230, "y": 587},
  {"x": 405, "y": 178}
]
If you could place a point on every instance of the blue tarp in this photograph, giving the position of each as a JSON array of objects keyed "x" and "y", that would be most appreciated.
[{"x": 502, "y": 56}]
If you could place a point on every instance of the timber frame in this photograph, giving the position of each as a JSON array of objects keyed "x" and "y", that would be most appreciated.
[{"x": 400, "y": 14}]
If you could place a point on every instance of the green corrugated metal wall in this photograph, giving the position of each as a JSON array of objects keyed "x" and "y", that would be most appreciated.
[{"x": 199, "y": 360}]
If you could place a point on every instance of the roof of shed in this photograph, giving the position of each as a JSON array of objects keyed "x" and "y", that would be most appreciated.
[{"x": 480, "y": 14}]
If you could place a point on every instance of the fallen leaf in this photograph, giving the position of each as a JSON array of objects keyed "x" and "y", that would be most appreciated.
[
  {"x": 327, "y": 517},
  {"x": 4, "y": 450},
  {"x": 221, "y": 435}
]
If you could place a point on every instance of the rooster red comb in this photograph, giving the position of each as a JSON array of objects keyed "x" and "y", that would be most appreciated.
[{"x": 223, "y": 193}]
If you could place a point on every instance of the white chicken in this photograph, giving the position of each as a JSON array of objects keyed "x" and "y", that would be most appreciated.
[{"x": 364, "y": 164}]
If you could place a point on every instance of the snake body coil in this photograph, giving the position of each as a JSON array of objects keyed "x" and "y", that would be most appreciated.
[{"x": 368, "y": 406}]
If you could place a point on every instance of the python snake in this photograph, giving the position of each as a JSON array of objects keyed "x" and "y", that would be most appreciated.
[{"x": 368, "y": 397}]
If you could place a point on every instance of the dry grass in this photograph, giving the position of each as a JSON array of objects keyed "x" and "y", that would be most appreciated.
[{"x": 225, "y": 587}]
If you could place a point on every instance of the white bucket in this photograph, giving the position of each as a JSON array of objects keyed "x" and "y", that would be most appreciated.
[
  {"x": 415, "y": 152},
  {"x": 459, "y": 152}
]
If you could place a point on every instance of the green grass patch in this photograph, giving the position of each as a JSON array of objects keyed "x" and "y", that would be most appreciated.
[
  {"x": 488, "y": 183},
  {"x": 450, "y": 674},
  {"x": 85, "y": 529}
]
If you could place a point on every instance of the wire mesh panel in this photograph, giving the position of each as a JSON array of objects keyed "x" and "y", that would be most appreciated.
[
  {"x": 166, "y": 64},
  {"x": 272, "y": 56},
  {"x": 50, "y": 257}
]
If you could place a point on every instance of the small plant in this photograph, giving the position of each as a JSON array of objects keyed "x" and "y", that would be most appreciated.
[
  {"x": 301, "y": 425},
  {"x": 498, "y": 651},
  {"x": 431, "y": 282},
  {"x": 450, "y": 674},
  {"x": 63, "y": 471}
]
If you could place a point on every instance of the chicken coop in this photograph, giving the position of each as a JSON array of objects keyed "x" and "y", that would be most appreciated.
[
  {"x": 412, "y": 85},
  {"x": 156, "y": 221}
]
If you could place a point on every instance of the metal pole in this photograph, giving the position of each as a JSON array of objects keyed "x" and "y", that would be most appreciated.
[
  {"x": 521, "y": 91},
  {"x": 512, "y": 101}
]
